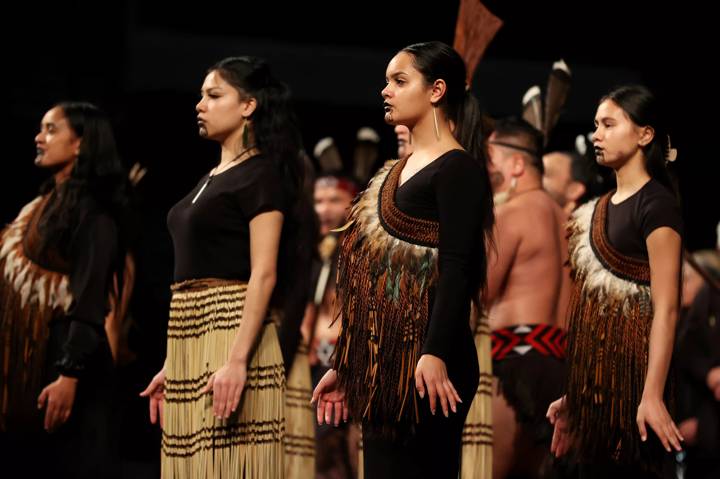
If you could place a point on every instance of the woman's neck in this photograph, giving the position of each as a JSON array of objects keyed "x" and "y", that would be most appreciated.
[
  {"x": 62, "y": 175},
  {"x": 425, "y": 138},
  {"x": 630, "y": 177},
  {"x": 233, "y": 145}
]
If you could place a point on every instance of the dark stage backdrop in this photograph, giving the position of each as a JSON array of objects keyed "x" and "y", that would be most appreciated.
[{"x": 144, "y": 62}]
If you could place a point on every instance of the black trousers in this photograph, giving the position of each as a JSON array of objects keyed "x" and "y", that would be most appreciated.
[
  {"x": 610, "y": 470},
  {"x": 431, "y": 450}
]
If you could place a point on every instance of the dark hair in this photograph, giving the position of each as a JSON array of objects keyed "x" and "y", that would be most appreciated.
[
  {"x": 97, "y": 174},
  {"x": 526, "y": 137},
  {"x": 583, "y": 169},
  {"x": 274, "y": 124},
  {"x": 277, "y": 136},
  {"x": 437, "y": 60},
  {"x": 639, "y": 103}
]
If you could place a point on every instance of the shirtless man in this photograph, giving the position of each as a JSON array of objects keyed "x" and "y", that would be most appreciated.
[
  {"x": 570, "y": 178},
  {"x": 335, "y": 448},
  {"x": 525, "y": 279},
  {"x": 332, "y": 196}
]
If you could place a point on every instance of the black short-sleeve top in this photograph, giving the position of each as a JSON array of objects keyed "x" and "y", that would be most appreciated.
[
  {"x": 211, "y": 236},
  {"x": 631, "y": 221}
]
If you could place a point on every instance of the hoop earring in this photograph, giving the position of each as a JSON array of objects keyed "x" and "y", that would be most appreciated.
[{"x": 437, "y": 128}]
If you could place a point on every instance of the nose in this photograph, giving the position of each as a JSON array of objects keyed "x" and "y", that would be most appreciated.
[
  {"x": 595, "y": 136},
  {"x": 385, "y": 92},
  {"x": 39, "y": 138},
  {"x": 200, "y": 105}
]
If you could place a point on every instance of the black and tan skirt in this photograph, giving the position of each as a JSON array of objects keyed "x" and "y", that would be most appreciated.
[
  {"x": 205, "y": 316},
  {"x": 300, "y": 419},
  {"x": 477, "y": 433}
]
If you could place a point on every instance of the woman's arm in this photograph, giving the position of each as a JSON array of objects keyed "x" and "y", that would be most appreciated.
[
  {"x": 459, "y": 193},
  {"x": 92, "y": 254},
  {"x": 663, "y": 247},
  {"x": 227, "y": 383}
]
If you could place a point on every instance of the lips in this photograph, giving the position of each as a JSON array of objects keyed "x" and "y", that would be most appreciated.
[
  {"x": 387, "y": 106},
  {"x": 599, "y": 152}
]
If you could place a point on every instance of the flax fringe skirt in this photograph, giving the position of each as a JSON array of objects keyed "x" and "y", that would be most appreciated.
[
  {"x": 300, "y": 419},
  {"x": 477, "y": 432},
  {"x": 204, "y": 318}
]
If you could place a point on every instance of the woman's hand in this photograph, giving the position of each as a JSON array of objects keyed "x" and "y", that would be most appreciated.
[
  {"x": 330, "y": 399},
  {"x": 431, "y": 377},
  {"x": 156, "y": 392},
  {"x": 59, "y": 396},
  {"x": 652, "y": 412},
  {"x": 227, "y": 384},
  {"x": 557, "y": 415}
]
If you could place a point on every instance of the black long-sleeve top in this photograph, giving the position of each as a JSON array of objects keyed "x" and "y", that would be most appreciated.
[
  {"x": 451, "y": 190},
  {"x": 93, "y": 255}
]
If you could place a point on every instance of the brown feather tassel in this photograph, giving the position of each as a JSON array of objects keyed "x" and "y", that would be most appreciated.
[
  {"x": 387, "y": 266},
  {"x": 610, "y": 315}
]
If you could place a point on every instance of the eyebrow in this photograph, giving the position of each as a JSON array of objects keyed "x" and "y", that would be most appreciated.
[
  {"x": 397, "y": 74},
  {"x": 210, "y": 89},
  {"x": 605, "y": 118}
]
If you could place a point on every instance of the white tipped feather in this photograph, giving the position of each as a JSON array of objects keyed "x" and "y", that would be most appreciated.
[
  {"x": 561, "y": 65},
  {"x": 323, "y": 145}
]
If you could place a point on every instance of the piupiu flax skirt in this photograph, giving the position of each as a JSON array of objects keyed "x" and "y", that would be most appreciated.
[
  {"x": 205, "y": 316},
  {"x": 300, "y": 419},
  {"x": 477, "y": 433}
]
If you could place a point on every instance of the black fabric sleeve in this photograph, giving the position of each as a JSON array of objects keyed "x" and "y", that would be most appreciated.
[
  {"x": 459, "y": 190},
  {"x": 660, "y": 209},
  {"x": 265, "y": 193},
  {"x": 93, "y": 252}
]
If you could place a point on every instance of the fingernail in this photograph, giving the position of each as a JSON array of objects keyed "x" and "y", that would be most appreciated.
[
  {"x": 454, "y": 409},
  {"x": 433, "y": 411},
  {"x": 446, "y": 413}
]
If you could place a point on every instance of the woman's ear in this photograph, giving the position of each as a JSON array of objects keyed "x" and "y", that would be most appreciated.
[
  {"x": 438, "y": 90},
  {"x": 76, "y": 145},
  {"x": 248, "y": 107},
  {"x": 647, "y": 134}
]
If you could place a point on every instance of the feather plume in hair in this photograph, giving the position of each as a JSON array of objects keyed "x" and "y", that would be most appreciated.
[
  {"x": 532, "y": 107},
  {"x": 366, "y": 153},
  {"x": 558, "y": 87},
  {"x": 328, "y": 155},
  {"x": 475, "y": 28}
]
